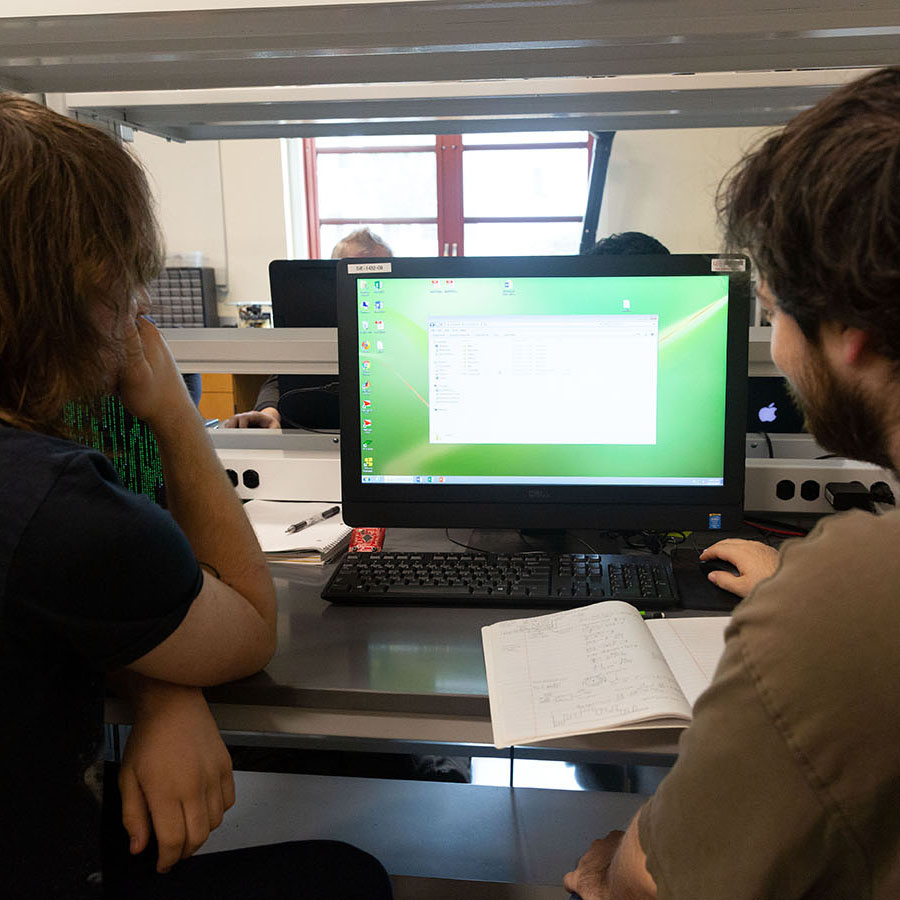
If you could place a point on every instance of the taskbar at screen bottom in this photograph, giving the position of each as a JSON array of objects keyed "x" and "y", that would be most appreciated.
[{"x": 614, "y": 480}]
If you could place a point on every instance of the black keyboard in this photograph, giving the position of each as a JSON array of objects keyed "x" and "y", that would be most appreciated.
[{"x": 540, "y": 580}]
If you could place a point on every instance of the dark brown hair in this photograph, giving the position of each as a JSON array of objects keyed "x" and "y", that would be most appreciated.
[
  {"x": 817, "y": 206},
  {"x": 77, "y": 233}
]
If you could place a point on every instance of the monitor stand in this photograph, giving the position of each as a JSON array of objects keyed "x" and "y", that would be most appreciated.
[{"x": 510, "y": 540}]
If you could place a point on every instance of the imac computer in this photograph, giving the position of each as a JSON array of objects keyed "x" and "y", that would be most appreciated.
[{"x": 544, "y": 392}]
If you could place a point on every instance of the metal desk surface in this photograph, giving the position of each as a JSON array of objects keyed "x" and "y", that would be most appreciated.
[{"x": 366, "y": 675}]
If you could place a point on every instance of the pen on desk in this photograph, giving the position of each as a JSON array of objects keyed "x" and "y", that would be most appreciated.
[
  {"x": 318, "y": 517},
  {"x": 652, "y": 615}
]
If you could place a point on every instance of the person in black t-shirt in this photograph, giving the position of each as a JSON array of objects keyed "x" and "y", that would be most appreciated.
[{"x": 97, "y": 583}]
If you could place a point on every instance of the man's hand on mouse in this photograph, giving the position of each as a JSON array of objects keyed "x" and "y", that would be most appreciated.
[{"x": 755, "y": 562}]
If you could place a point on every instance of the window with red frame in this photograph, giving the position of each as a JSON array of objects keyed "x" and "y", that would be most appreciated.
[{"x": 446, "y": 195}]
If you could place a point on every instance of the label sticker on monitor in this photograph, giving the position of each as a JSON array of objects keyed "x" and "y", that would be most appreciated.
[
  {"x": 724, "y": 264},
  {"x": 715, "y": 521},
  {"x": 361, "y": 268}
]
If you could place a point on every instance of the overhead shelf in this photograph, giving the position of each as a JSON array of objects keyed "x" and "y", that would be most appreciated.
[{"x": 454, "y": 40}]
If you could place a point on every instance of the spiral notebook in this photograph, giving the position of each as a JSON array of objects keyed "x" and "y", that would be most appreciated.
[
  {"x": 596, "y": 668},
  {"x": 315, "y": 544}
]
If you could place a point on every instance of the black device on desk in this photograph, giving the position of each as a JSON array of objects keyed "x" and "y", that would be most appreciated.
[
  {"x": 544, "y": 392},
  {"x": 304, "y": 295},
  {"x": 538, "y": 580}
]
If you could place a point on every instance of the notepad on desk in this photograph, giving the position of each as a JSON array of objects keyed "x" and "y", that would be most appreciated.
[
  {"x": 312, "y": 544},
  {"x": 596, "y": 668}
]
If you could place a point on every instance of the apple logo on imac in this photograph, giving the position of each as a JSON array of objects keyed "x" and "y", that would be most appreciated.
[{"x": 768, "y": 413}]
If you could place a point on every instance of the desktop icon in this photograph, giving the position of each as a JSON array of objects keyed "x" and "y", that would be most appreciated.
[
  {"x": 366, "y": 404},
  {"x": 367, "y": 425},
  {"x": 379, "y": 346},
  {"x": 435, "y": 284},
  {"x": 508, "y": 285},
  {"x": 378, "y": 285},
  {"x": 362, "y": 285},
  {"x": 368, "y": 461},
  {"x": 367, "y": 445},
  {"x": 379, "y": 325},
  {"x": 365, "y": 345},
  {"x": 364, "y": 305},
  {"x": 626, "y": 304},
  {"x": 378, "y": 305},
  {"x": 450, "y": 284},
  {"x": 366, "y": 363},
  {"x": 364, "y": 325},
  {"x": 366, "y": 386}
]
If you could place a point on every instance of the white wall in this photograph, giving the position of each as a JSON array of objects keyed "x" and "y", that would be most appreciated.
[
  {"x": 224, "y": 199},
  {"x": 664, "y": 183}
]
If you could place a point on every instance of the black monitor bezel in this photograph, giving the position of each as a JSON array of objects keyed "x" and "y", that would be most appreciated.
[
  {"x": 283, "y": 275},
  {"x": 544, "y": 506},
  {"x": 296, "y": 305}
]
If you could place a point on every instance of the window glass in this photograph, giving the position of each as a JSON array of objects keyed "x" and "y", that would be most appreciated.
[
  {"x": 524, "y": 182},
  {"x": 522, "y": 238},
  {"x": 371, "y": 185},
  {"x": 377, "y": 140},
  {"x": 524, "y": 137},
  {"x": 404, "y": 240}
]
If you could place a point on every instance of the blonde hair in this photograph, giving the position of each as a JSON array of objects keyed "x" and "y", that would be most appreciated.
[{"x": 361, "y": 242}]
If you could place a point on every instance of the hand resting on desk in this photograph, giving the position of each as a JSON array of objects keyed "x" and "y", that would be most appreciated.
[
  {"x": 589, "y": 880},
  {"x": 255, "y": 418},
  {"x": 755, "y": 562},
  {"x": 176, "y": 774}
]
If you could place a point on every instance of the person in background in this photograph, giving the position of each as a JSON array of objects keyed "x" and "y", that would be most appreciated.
[
  {"x": 100, "y": 586},
  {"x": 265, "y": 414},
  {"x": 787, "y": 783},
  {"x": 627, "y": 243}
]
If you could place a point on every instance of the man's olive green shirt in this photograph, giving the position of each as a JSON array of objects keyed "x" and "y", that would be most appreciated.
[{"x": 787, "y": 783}]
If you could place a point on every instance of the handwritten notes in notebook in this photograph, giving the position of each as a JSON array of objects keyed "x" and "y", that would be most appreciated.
[{"x": 596, "y": 668}]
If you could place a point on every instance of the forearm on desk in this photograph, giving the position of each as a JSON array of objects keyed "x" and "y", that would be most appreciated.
[{"x": 204, "y": 503}]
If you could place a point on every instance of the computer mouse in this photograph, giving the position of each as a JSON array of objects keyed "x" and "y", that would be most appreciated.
[{"x": 718, "y": 565}]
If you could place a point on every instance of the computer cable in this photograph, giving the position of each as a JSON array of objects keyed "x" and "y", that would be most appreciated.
[
  {"x": 771, "y": 526},
  {"x": 330, "y": 388},
  {"x": 654, "y": 541},
  {"x": 768, "y": 440},
  {"x": 581, "y": 540}
]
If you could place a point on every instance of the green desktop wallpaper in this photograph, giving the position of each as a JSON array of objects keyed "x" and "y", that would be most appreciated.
[{"x": 692, "y": 311}]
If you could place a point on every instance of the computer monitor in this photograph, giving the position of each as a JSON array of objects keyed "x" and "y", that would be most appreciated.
[
  {"x": 544, "y": 392},
  {"x": 304, "y": 295}
]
